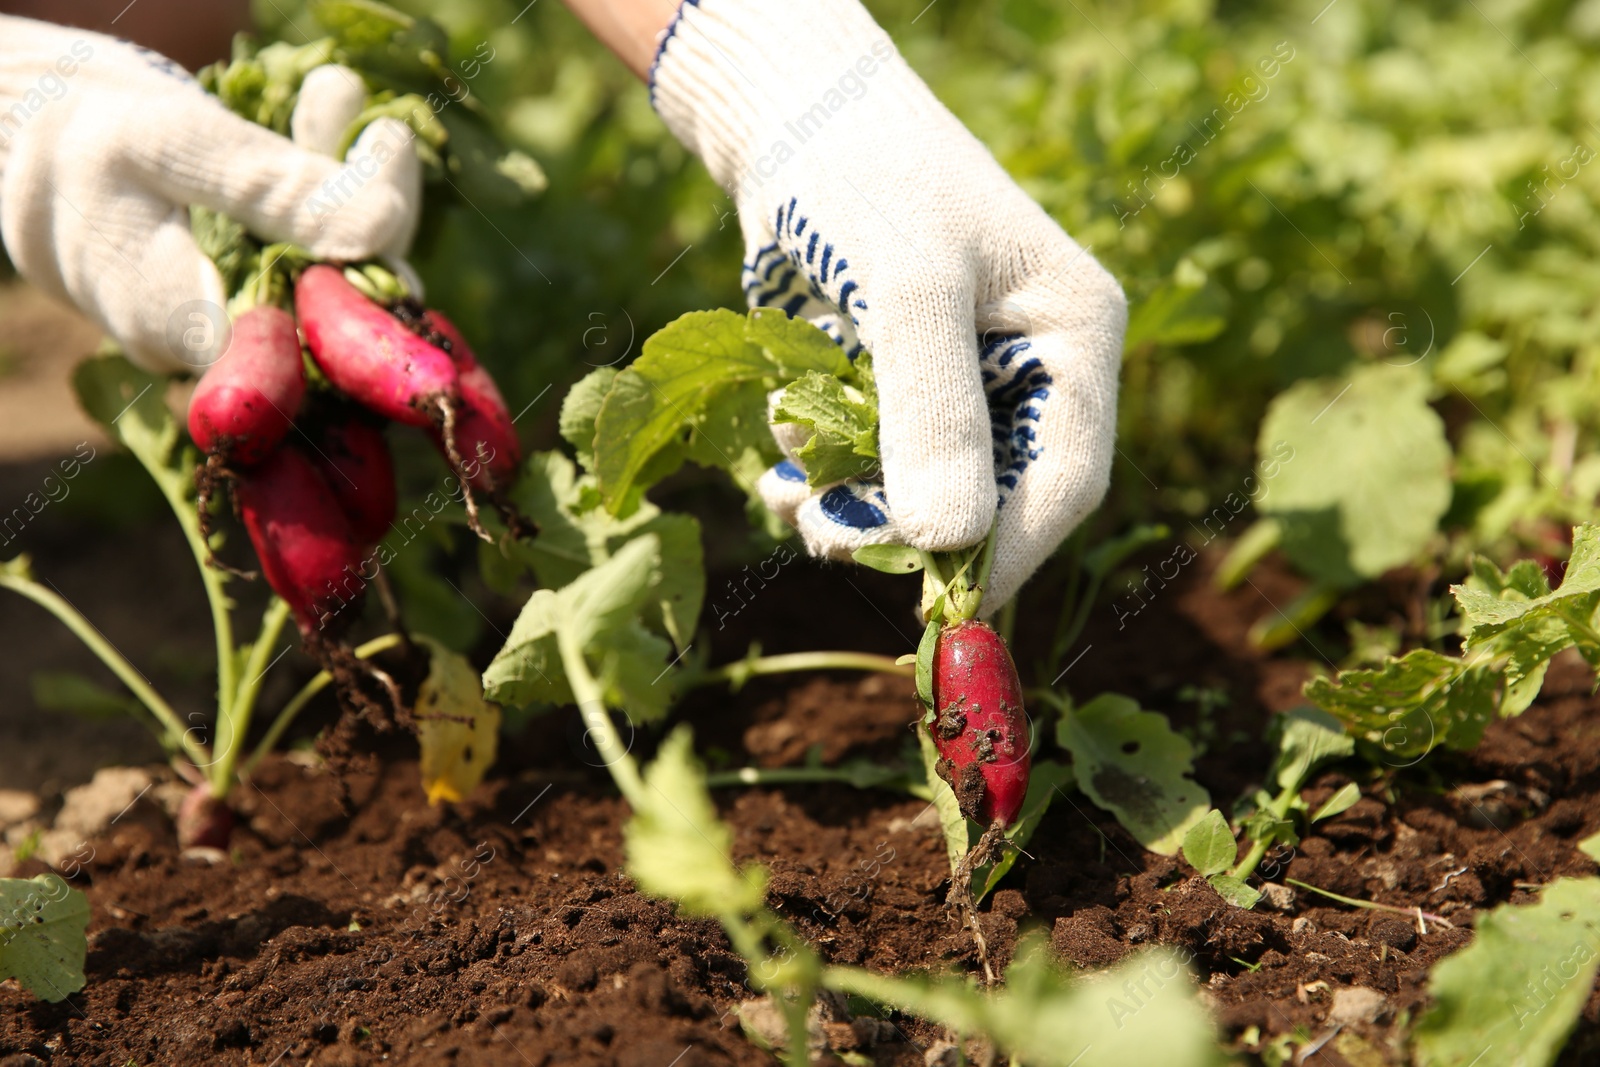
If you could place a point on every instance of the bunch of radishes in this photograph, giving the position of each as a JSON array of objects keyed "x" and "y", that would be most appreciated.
[{"x": 316, "y": 501}]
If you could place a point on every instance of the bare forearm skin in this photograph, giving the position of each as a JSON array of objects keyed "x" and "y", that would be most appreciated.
[{"x": 630, "y": 28}]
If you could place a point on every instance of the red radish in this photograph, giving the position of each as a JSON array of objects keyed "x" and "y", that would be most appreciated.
[
  {"x": 353, "y": 458},
  {"x": 980, "y": 728},
  {"x": 246, "y": 402},
  {"x": 369, "y": 354},
  {"x": 203, "y": 820},
  {"x": 308, "y": 552},
  {"x": 484, "y": 421}
]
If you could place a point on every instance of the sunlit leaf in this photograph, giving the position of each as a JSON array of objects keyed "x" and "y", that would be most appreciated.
[
  {"x": 42, "y": 942},
  {"x": 457, "y": 730},
  {"x": 1132, "y": 764},
  {"x": 1512, "y": 996}
]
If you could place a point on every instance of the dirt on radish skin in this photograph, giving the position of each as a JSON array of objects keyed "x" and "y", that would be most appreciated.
[
  {"x": 370, "y": 355},
  {"x": 980, "y": 727},
  {"x": 308, "y": 552},
  {"x": 246, "y": 401}
]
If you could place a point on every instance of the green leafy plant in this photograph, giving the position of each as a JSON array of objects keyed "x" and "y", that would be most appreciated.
[
  {"x": 1353, "y": 480},
  {"x": 1307, "y": 739},
  {"x": 1132, "y": 763},
  {"x": 42, "y": 943},
  {"x": 1512, "y": 625},
  {"x": 1514, "y": 994}
]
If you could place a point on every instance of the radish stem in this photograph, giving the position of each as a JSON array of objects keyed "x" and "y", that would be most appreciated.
[
  {"x": 592, "y": 706},
  {"x": 737, "y": 673},
  {"x": 232, "y": 727},
  {"x": 86, "y": 632},
  {"x": 1371, "y": 905},
  {"x": 861, "y": 778}
]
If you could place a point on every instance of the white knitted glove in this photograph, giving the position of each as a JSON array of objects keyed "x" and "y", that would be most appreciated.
[
  {"x": 103, "y": 147},
  {"x": 868, "y": 209}
]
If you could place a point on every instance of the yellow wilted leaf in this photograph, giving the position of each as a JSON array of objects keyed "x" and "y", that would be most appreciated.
[{"x": 457, "y": 729}]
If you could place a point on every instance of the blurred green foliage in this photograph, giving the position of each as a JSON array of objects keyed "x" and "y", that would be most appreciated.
[{"x": 1285, "y": 192}]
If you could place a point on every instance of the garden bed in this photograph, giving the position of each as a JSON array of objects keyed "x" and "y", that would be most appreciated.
[{"x": 355, "y": 924}]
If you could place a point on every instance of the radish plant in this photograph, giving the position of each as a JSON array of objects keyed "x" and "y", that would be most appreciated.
[
  {"x": 1307, "y": 739},
  {"x": 312, "y": 480},
  {"x": 132, "y": 407},
  {"x": 1512, "y": 625},
  {"x": 677, "y": 848}
]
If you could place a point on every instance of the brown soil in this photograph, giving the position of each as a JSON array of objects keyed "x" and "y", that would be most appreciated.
[{"x": 354, "y": 924}]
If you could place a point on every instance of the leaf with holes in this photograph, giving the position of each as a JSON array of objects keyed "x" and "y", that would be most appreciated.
[
  {"x": 42, "y": 942},
  {"x": 1131, "y": 763},
  {"x": 457, "y": 730}
]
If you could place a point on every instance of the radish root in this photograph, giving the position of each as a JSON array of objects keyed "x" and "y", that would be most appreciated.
[
  {"x": 986, "y": 850},
  {"x": 448, "y": 439}
]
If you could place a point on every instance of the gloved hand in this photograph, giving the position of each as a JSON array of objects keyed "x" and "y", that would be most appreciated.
[
  {"x": 103, "y": 147},
  {"x": 868, "y": 209}
]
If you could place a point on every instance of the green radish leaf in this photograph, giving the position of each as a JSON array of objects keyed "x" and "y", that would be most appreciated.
[
  {"x": 1513, "y": 995},
  {"x": 377, "y": 36},
  {"x": 927, "y": 649},
  {"x": 1046, "y": 780},
  {"x": 1524, "y": 577},
  {"x": 676, "y": 846},
  {"x": 1360, "y": 472},
  {"x": 264, "y": 87},
  {"x": 42, "y": 942},
  {"x": 1142, "y": 1011},
  {"x": 1108, "y": 555},
  {"x": 698, "y": 391},
  {"x": 653, "y": 404},
  {"x": 1132, "y": 764},
  {"x": 600, "y": 609},
  {"x": 1339, "y": 803},
  {"x": 732, "y": 434},
  {"x": 1263, "y": 826},
  {"x": 608, "y": 597},
  {"x": 1411, "y": 704},
  {"x": 66, "y": 691},
  {"x": 1307, "y": 738},
  {"x": 843, "y": 426},
  {"x": 794, "y": 346},
  {"x": 1234, "y": 891},
  {"x": 890, "y": 559},
  {"x": 1529, "y": 629},
  {"x": 680, "y": 587},
  {"x": 951, "y": 821},
  {"x": 1185, "y": 310},
  {"x": 1209, "y": 846},
  {"x": 572, "y": 539},
  {"x": 580, "y": 409},
  {"x": 1590, "y": 846}
]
